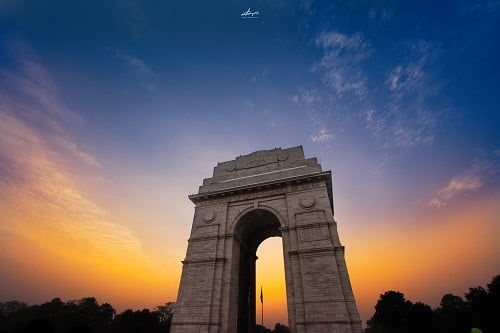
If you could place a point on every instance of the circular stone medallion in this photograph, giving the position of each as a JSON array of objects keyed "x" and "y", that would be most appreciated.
[
  {"x": 307, "y": 201},
  {"x": 209, "y": 216},
  {"x": 282, "y": 156}
]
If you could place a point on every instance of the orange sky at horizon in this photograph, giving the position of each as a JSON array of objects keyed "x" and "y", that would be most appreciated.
[
  {"x": 56, "y": 241},
  {"x": 60, "y": 237},
  {"x": 424, "y": 262},
  {"x": 49, "y": 261},
  {"x": 113, "y": 112},
  {"x": 414, "y": 260}
]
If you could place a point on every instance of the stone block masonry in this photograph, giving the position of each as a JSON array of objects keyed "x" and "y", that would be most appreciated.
[{"x": 264, "y": 194}]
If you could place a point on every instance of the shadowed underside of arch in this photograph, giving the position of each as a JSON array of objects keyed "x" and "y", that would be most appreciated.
[
  {"x": 251, "y": 230},
  {"x": 256, "y": 226},
  {"x": 247, "y": 200}
]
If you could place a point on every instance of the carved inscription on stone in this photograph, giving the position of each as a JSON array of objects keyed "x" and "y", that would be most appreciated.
[
  {"x": 255, "y": 159},
  {"x": 203, "y": 246},
  {"x": 313, "y": 234},
  {"x": 313, "y": 237},
  {"x": 310, "y": 217},
  {"x": 204, "y": 230}
]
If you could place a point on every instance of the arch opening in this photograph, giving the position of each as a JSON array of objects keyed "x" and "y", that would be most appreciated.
[
  {"x": 251, "y": 230},
  {"x": 270, "y": 275}
]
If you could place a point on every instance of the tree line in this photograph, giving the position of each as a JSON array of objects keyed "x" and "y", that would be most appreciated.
[
  {"x": 478, "y": 312},
  {"x": 81, "y": 316}
]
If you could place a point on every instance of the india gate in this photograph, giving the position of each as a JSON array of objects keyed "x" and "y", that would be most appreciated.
[{"x": 265, "y": 194}]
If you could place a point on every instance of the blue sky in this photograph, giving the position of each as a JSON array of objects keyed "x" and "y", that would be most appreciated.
[{"x": 128, "y": 105}]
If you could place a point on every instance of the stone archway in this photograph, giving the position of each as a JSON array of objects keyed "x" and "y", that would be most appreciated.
[
  {"x": 251, "y": 230},
  {"x": 267, "y": 193}
]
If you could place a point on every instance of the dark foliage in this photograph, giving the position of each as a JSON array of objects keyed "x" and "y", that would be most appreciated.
[
  {"x": 260, "y": 329},
  {"x": 480, "y": 309},
  {"x": 278, "y": 328},
  {"x": 82, "y": 316}
]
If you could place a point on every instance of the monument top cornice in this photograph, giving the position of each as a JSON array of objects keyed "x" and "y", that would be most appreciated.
[{"x": 262, "y": 169}]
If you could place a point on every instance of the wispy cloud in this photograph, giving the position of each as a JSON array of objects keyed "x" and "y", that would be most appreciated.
[
  {"x": 408, "y": 119},
  {"x": 481, "y": 172},
  {"x": 383, "y": 14},
  {"x": 34, "y": 173},
  {"x": 340, "y": 65},
  {"x": 469, "y": 8},
  {"x": 313, "y": 103},
  {"x": 321, "y": 136},
  {"x": 133, "y": 17},
  {"x": 34, "y": 86},
  {"x": 73, "y": 148},
  {"x": 402, "y": 109},
  {"x": 307, "y": 98},
  {"x": 143, "y": 72},
  {"x": 341, "y": 71},
  {"x": 404, "y": 126},
  {"x": 410, "y": 75},
  {"x": 137, "y": 64}
]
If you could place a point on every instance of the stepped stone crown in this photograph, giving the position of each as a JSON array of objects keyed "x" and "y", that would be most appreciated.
[{"x": 260, "y": 166}]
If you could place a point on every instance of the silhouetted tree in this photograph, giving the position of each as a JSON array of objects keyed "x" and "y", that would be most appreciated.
[
  {"x": 11, "y": 307},
  {"x": 83, "y": 316},
  {"x": 391, "y": 312},
  {"x": 420, "y": 318},
  {"x": 494, "y": 301},
  {"x": 480, "y": 309},
  {"x": 80, "y": 328},
  {"x": 15, "y": 315},
  {"x": 136, "y": 322},
  {"x": 258, "y": 329},
  {"x": 451, "y": 315},
  {"x": 279, "y": 328},
  {"x": 57, "y": 312},
  {"x": 39, "y": 325},
  {"x": 164, "y": 313},
  {"x": 484, "y": 306},
  {"x": 107, "y": 314}
]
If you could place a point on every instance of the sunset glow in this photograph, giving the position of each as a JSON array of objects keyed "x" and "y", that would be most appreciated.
[{"x": 112, "y": 114}]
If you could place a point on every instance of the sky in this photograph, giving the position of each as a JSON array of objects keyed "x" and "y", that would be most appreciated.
[{"x": 113, "y": 112}]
